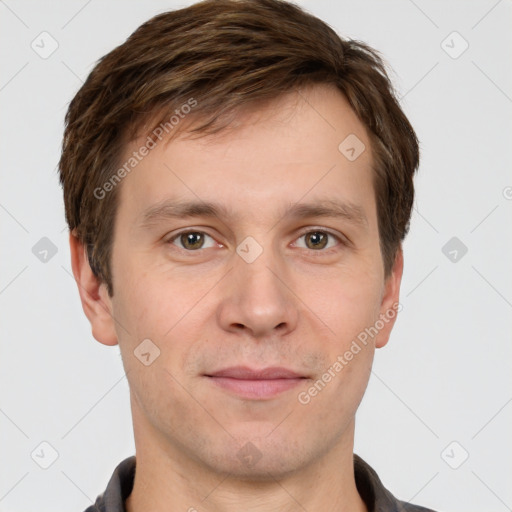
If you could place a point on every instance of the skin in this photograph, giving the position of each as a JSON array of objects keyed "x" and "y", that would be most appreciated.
[{"x": 296, "y": 306}]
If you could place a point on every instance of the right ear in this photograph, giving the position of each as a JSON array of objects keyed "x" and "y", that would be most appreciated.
[{"x": 96, "y": 302}]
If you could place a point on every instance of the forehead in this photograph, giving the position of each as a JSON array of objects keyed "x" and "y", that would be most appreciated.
[{"x": 299, "y": 146}]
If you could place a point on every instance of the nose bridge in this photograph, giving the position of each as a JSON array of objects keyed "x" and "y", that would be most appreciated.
[
  {"x": 260, "y": 278},
  {"x": 257, "y": 298}
]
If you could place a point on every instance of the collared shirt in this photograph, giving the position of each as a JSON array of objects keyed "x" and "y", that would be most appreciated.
[{"x": 369, "y": 486}]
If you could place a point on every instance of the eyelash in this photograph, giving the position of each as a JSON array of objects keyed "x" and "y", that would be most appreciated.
[{"x": 341, "y": 241}]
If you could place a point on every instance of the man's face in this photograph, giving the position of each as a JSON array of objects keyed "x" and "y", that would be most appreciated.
[{"x": 256, "y": 287}]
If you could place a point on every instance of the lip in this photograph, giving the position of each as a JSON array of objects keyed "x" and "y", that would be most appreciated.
[
  {"x": 254, "y": 384},
  {"x": 246, "y": 373}
]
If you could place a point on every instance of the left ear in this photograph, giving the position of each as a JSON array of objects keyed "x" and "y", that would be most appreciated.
[{"x": 390, "y": 305}]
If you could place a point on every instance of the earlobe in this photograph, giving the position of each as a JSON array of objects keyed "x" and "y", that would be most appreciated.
[
  {"x": 96, "y": 303},
  {"x": 390, "y": 305}
]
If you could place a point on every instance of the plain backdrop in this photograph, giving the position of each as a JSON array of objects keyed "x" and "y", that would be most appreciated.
[{"x": 435, "y": 421}]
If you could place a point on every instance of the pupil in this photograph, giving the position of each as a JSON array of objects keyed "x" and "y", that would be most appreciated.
[
  {"x": 192, "y": 240},
  {"x": 318, "y": 240}
]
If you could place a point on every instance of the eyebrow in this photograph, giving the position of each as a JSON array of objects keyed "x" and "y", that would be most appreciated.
[{"x": 178, "y": 209}]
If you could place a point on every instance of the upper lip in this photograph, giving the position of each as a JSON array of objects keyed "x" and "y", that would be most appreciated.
[{"x": 244, "y": 372}]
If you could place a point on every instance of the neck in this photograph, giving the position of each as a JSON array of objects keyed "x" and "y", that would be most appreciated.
[{"x": 167, "y": 478}]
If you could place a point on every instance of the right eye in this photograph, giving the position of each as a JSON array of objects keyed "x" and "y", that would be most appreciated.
[{"x": 190, "y": 240}]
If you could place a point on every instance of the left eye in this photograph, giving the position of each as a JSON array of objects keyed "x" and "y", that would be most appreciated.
[{"x": 318, "y": 240}]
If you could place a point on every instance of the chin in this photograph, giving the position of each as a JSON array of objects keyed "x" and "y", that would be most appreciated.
[{"x": 259, "y": 459}]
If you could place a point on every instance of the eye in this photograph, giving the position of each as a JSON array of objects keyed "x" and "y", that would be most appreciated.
[
  {"x": 191, "y": 240},
  {"x": 318, "y": 240}
]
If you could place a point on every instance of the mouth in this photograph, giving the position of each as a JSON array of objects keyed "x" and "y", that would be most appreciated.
[{"x": 256, "y": 384}]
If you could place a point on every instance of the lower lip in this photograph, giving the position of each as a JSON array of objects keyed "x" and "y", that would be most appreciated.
[{"x": 256, "y": 389}]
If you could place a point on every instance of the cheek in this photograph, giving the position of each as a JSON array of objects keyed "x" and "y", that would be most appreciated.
[
  {"x": 170, "y": 310},
  {"x": 334, "y": 396},
  {"x": 348, "y": 306},
  {"x": 149, "y": 301},
  {"x": 346, "y": 301}
]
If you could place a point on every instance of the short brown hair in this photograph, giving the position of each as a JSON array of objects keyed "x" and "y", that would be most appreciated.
[{"x": 227, "y": 55}]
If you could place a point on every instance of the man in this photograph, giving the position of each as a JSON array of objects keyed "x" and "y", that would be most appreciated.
[{"x": 238, "y": 181}]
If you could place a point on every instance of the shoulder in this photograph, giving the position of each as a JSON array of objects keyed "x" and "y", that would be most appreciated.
[
  {"x": 118, "y": 488},
  {"x": 376, "y": 497}
]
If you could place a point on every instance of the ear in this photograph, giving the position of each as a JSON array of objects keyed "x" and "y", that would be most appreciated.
[
  {"x": 390, "y": 305},
  {"x": 96, "y": 303}
]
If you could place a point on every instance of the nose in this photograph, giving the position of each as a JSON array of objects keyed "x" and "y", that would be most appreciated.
[{"x": 257, "y": 299}]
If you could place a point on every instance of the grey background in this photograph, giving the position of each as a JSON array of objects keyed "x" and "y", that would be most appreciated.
[{"x": 444, "y": 376}]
